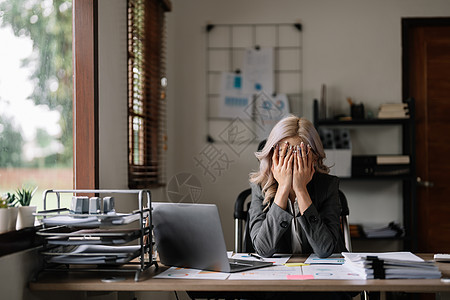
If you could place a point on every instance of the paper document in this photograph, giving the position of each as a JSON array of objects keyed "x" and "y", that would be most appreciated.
[
  {"x": 330, "y": 272},
  {"x": 233, "y": 101},
  {"x": 333, "y": 259},
  {"x": 391, "y": 265},
  {"x": 91, "y": 220},
  {"x": 400, "y": 256},
  {"x": 271, "y": 273},
  {"x": 185, "y": 273},
  {"x": 440, "y": 257},
  {"x": 258, "y": 70},
  {"x": 71, "y": 221},
  {"x": 92, "y": 254},
  {"x": 268, "y": 109}
]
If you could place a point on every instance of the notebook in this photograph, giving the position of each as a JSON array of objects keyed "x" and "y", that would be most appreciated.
[{"x": 190, "y": 235}]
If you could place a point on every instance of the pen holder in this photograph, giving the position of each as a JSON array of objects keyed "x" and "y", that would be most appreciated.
[{"x": 357, "y": 111}]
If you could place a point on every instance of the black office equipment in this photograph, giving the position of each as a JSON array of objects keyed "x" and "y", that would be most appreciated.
[{"x": 368, "y": 165}]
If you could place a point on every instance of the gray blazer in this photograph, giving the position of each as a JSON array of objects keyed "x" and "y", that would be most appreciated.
[{"x": 270, "y": 230}]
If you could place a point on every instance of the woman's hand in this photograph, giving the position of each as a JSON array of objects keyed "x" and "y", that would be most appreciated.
[
  {"x": 303, "y": 168},
  {"x": 282, "y": 160},
  {"x": 302, "y": 175}
]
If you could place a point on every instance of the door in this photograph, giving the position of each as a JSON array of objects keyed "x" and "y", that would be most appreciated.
[{"x": 426, "y": 74}]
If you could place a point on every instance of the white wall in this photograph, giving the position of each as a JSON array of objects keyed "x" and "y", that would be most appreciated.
[
  {"x": 352, "y": 46},
  {"x": 113, "y": 147}
]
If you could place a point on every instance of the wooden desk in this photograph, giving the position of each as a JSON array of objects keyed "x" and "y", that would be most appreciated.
[{"x": 76, "y": 281}]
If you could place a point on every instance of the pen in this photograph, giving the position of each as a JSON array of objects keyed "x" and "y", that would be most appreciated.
[{"x": 256, "y": 256}]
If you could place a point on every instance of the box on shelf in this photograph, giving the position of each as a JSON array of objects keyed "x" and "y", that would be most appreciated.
[
  {"x": 339, "y": 161},
  {"x": 338, "y": 151}
]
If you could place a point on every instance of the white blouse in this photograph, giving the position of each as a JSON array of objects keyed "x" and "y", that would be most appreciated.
[{"x": 295, "y": 227}]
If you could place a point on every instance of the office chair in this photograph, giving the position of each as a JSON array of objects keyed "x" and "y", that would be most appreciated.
[
  {"x": 242, "y": 241},
  {"x": 345, "y": 212}
]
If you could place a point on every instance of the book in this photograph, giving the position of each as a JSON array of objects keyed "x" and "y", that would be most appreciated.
[
  {"x": 392, "y": 159},
  {"x": 393, "y": 111},
  {"x": 391, "y": 265},
  {"x": 393, "y": 114},
  {"x": 393, "y": 106}
]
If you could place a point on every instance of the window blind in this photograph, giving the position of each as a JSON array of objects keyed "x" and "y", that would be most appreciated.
[{"x": 147, "y": 134}]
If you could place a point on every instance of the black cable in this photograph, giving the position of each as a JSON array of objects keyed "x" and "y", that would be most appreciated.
[{"x": 176, "y": 295}]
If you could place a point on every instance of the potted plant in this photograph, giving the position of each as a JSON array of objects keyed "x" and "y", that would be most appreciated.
[
  {"x": 25, "y": 217},
  {"x": 13, "y": 211},
  {"x": 4, "y": 214}
]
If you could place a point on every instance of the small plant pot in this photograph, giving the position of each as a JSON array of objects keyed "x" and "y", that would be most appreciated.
[
  {"x": 25, "y": 217},
  {"x": 4, "y": 219},
  {"x": 13, "y": 211}
]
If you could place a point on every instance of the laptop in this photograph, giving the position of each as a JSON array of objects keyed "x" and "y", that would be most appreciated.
[{"x": 190, "y": 235}]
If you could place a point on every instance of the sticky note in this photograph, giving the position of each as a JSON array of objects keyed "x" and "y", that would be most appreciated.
[
  {"x": 299, "y": 277},
  {"x": 295, "y": 264}
]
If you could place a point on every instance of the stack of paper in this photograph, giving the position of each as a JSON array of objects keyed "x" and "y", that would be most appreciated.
[
  {"x": 440, "y": 257},
  {"x": 91, "y": 254},
  {"x": 382, "y": 231},
  {"x": 393, "y": 110},
  {"x": 390, "y": 265},
  {"x": 74, "y": 220}
]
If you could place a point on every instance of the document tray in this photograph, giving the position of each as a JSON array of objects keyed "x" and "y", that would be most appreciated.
[{"x": 62, "y": 235}]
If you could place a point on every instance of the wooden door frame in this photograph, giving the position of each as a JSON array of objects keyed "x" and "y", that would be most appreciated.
[
  {"x": 411, "y": 27},
  {"x": 407, "y": 25},
  {"x": 85, "y": 95}
]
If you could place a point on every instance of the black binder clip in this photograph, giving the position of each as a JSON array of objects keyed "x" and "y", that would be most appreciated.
[{"x": 378, "y": 267}]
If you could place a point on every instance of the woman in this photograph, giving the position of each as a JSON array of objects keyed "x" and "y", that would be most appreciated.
[{"x": 295, "y": 204}]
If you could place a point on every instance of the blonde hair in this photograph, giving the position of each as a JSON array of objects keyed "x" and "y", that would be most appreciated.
[{"x": 289, "y": 126}]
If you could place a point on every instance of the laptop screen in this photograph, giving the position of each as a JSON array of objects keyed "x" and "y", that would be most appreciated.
[{"x": 189, "y": 235}]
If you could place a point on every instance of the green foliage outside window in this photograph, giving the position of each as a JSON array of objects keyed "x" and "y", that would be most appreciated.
[
  {"x": 48, "y": 23},
  {"x": 10, "y": 140}
]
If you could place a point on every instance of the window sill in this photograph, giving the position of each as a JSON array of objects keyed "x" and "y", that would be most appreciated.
[{"x": 19, "y": 240}]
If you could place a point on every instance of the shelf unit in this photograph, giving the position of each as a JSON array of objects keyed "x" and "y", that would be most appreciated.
[
  {"x": 132, "y": 252},
  {"x": 408, "y": 180}
]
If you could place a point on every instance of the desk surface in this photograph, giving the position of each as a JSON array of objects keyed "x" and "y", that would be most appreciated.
[{"x": 77, "y": 281}]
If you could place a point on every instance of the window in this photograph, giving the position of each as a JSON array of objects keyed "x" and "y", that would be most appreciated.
[
  {"x": 36, "y": 87},
  {"x": 84, "y": 175},
  {"x": 146, "y": 93}
]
